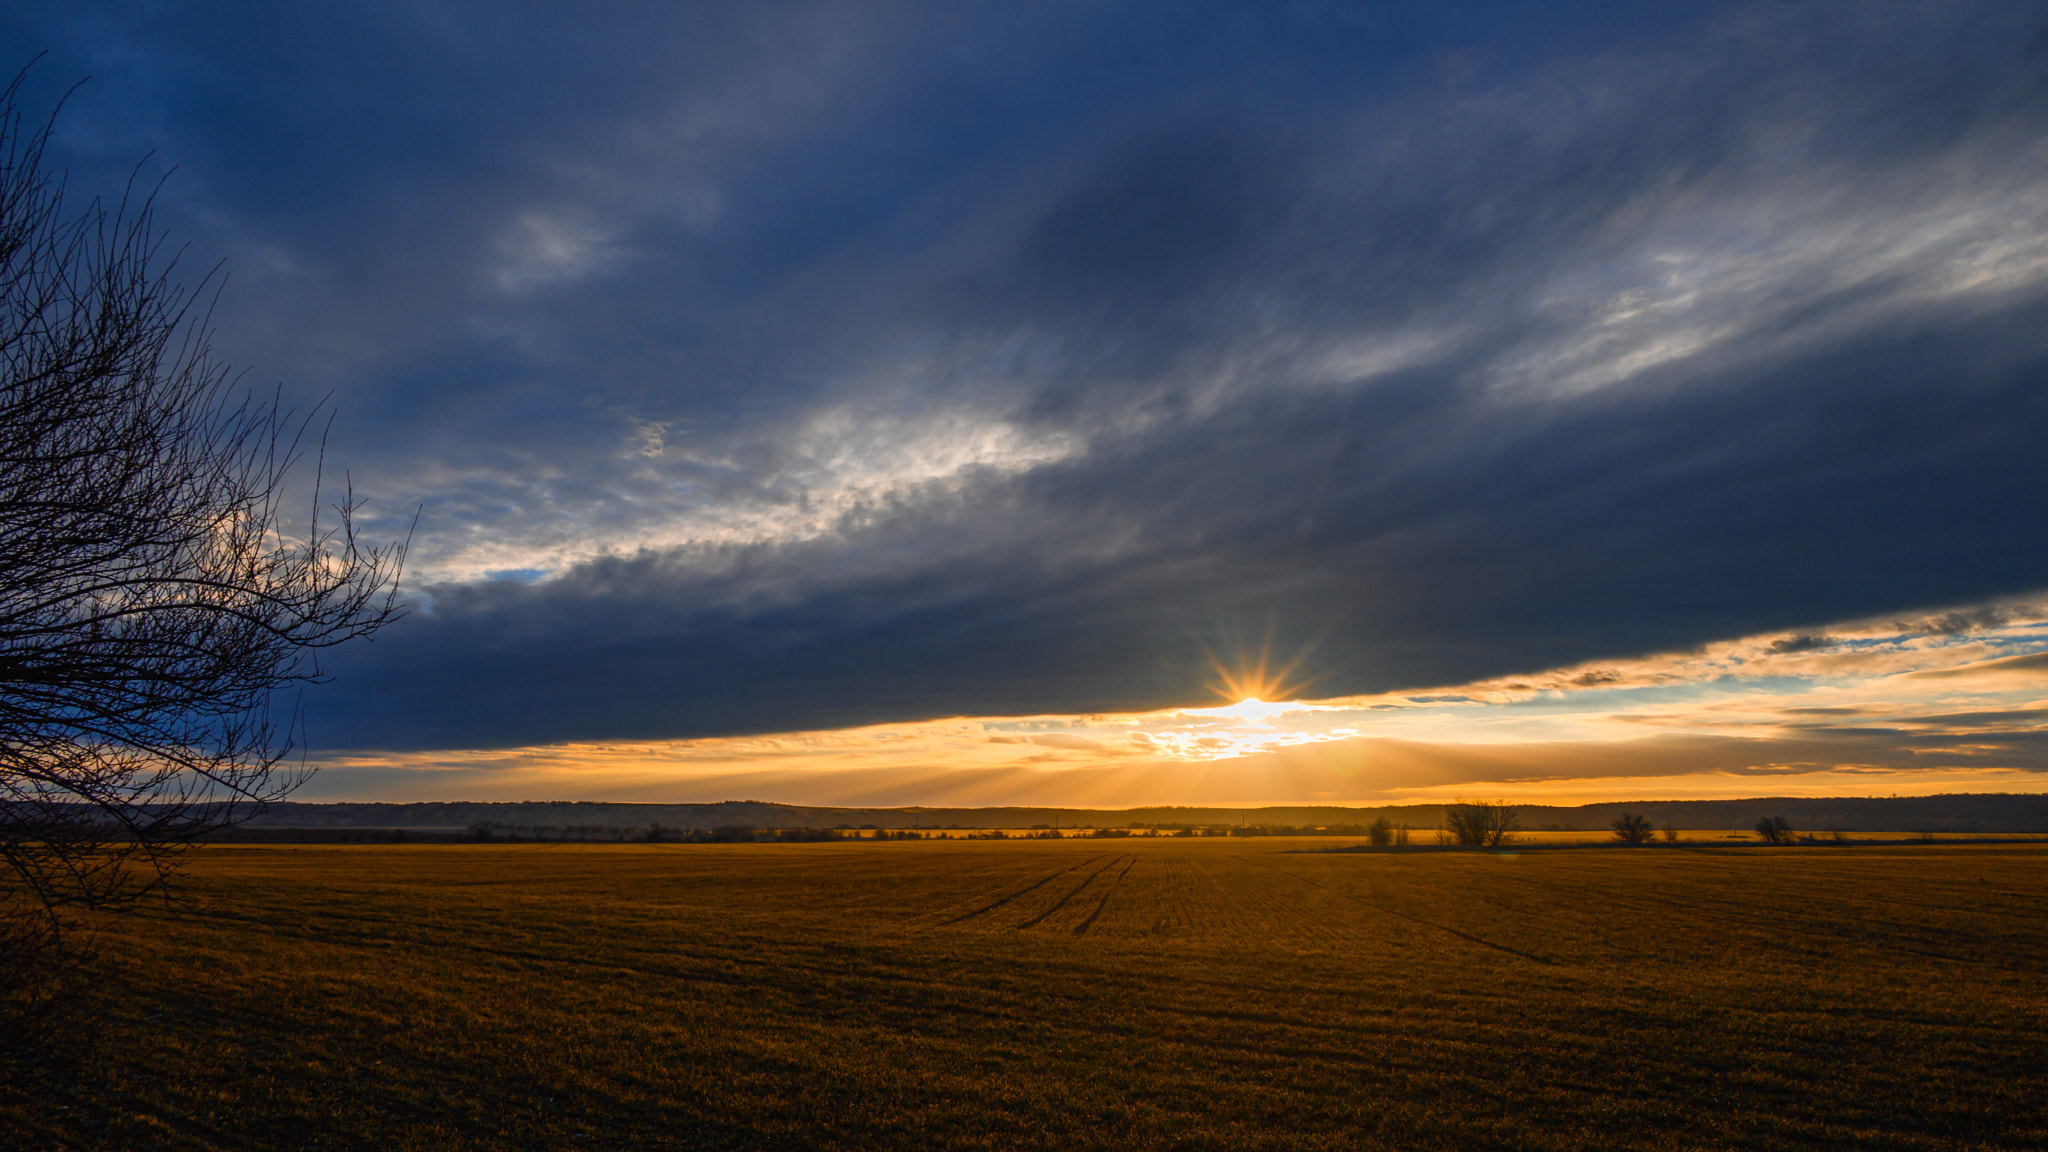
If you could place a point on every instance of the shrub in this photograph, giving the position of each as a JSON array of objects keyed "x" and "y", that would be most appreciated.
[
  {"x": 1774, "y": 830},
  {"x": 1480, "y": 823},
  {"x": 1632, "y": 829}
]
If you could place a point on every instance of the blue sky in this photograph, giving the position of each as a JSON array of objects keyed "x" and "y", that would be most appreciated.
[{"x": 800, "y": 368}]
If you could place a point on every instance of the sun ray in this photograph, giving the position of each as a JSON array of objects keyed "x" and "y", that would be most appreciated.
[{"x": 1251, "y": 677}]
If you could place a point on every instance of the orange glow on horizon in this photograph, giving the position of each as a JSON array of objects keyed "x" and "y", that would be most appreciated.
[{"x": 1749, "y": 716}]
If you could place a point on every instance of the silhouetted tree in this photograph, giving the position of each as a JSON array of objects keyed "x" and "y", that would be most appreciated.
[
  {"x": 1670, "y": 833},
  {"x": 1774, "y": 830},
  {"x": 1632, "y": 829},
  {"x": 1481, "y": 823},
  {"x": 153, "y": 601},
  {"x": 1381, "y": 832}
]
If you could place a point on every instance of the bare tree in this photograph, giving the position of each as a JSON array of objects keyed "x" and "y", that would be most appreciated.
[
  {"x": 1774, "y": 830},
  {"x": 1481, "y": 823},
  {"x": 1381, "y": 832},
  {"x": 153, "y": 600},
  {"x": 1632, "y": 829}
]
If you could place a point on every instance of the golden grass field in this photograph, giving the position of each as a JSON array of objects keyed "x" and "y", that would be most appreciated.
[{"x": 1144, "y": 993}]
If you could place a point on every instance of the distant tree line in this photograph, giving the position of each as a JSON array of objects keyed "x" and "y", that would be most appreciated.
[
  {"x": 1967, "y": 814},
  {"x": 1467, "y": 824}
]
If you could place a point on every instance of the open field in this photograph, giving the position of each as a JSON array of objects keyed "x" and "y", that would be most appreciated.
[{"x": 1199, "y": 993}]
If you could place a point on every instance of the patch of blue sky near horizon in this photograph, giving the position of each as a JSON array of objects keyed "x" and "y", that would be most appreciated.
[{"x": 1941, "y": 702}]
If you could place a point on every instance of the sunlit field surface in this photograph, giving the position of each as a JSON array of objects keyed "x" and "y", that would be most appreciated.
[{"x": 1208, "y": 993}]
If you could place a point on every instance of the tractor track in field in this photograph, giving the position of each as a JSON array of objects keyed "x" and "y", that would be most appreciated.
[
  {"x": 993, "y": 905},
  {"x": 1104, "y": 902},
  {"x": 1071, "y": 893},
  {"x": 1381, "y": 908}
]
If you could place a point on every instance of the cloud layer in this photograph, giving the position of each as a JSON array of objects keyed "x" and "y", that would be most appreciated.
[{"x": 814, "y": 366}]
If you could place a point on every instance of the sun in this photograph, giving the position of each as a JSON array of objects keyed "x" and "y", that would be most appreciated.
[
  {"x": 1254, "y": 681},
  {"x": 1254, "y": 710}
]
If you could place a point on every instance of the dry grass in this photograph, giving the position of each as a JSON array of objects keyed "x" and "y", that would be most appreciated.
[{"x": 1118, "y": 994}]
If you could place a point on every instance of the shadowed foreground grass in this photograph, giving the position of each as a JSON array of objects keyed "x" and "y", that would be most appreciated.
[{"x": 1132, "y": 994}]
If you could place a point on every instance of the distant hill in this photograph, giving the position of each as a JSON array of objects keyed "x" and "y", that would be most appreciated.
[{"x": 1967, "y": 812}]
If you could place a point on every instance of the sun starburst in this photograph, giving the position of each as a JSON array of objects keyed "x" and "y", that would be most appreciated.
[{"x": 1251, "y": 680}]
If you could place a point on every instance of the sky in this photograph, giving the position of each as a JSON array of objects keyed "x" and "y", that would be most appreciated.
[{"x": 894, "y": 403}]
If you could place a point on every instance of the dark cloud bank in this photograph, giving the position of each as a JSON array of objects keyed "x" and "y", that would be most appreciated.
[{"x": 1434, "y": 352}]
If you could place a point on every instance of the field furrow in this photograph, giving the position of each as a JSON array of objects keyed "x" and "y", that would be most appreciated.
[
  {"x": 1061, "y": 898},
  {"x": 1081, "y": 929},
  {"x": 1026, "y": 890}
]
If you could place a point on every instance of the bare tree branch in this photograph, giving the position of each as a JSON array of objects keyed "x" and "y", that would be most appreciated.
[{"x": 152, "y": 604}]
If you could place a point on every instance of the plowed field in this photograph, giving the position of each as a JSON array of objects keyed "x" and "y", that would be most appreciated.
[{"x": 1057, "y": 994}]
